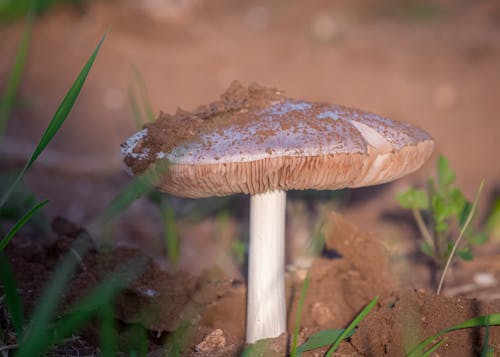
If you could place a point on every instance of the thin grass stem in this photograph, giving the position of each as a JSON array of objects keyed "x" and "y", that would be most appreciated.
[
  {"x": 461, "y": 234},
  {"x": 8, "y": 99}
]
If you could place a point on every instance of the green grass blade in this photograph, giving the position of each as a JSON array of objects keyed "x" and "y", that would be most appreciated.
[
  {"x": 8, "y": 99},
  {"x": 109, "y": 346},
  {"x": 434, "y": 348},
  {"x": 20, "y": 223},
  {"x": 140, "y": 185},
  {"x": 135, "y": 108},
  {"x": 460, "y": 235},
  {"x": 58, "y": 118},
  {"x": 150, "y": 116},
  {"x": 66, "y": 104},
  {"x": 298, "y": 317},
  {"x": 487, "y": 320},
  {"x": 321, "y": 339},
  {"x": 352, "y": 326},
  {"x": 12, "y": 298},
  {"x": 100, "y": 296},
  {"x": 171, "y": 236},
  {"x": 486, "y": 342},
  {"x": 177, "y": 340},
  {"x": 36, "y": 339}
]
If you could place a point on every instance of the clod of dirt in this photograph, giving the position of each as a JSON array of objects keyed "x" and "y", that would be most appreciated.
[
  {"x": 215, "y": 340},
  {"x": 270, "y": 347},
  {"x": 406, "y": 318}
]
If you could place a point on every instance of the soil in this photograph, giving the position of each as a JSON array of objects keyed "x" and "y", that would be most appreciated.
[
  {"x": 433, "y": 64},
  {"x": 210, "y": 308}
]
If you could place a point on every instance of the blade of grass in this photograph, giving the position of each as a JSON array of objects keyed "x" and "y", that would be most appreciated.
[
  {"x": 491, "y": 320},
  {"x": 139, "y": 186},
  {"x": 58, "y": 118},
  {"x": 460, "y": 235},
  {"x": 150, "y": 116},
  {"x": 321, "y": 339},
  {"x": 352, "y": 326},
  {"x": 171, "y": 237},
  {"x": 36, "y": 339},
  {"x": 97, "y": 299},
  {"x": 485, "y": 351},
  {"x": 20, "y": 223},
  {"x": 8, "y": 99},
  {"x": 298, "y": 317},
  {"x": 109, "y": 346},
  {"x": 177, "y": 340},
  {"x": 135, "y": 108},
  {"x": 434, "y": 348},
  {"x": 12, "y": 298}
]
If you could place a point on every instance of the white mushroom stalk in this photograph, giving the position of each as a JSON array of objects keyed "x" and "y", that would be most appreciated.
[{"x": 266, "y": 306}]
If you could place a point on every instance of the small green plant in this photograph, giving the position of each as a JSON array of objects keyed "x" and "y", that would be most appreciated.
[{"x": 440, "y": 211}]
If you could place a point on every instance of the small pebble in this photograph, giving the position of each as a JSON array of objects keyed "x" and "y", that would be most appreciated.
[
  {"x": 213, "y": 341},
  {"x": 321, "y": 313},
  {"x": 485, "y": 279}
]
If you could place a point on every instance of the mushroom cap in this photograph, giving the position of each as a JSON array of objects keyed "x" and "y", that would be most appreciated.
[{"x": 255, "y": 140}]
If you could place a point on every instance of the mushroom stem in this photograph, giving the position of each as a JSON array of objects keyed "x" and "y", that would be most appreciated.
[{"x": 266, "y": 312}]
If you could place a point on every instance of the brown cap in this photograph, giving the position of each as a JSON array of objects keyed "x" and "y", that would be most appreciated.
[{"x": 254, "y": 140}]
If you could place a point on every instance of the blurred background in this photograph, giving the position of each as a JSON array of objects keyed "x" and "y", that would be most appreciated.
[{"x": 432, "y": 63}]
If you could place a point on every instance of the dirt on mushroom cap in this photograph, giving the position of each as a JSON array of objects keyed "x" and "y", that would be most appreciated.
[
  {"x": 254, "y": 122},
  {"x": 170, "y": 130}
]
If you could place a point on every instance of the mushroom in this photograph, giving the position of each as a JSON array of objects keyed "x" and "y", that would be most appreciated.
[{"x": 256, "y": 141}]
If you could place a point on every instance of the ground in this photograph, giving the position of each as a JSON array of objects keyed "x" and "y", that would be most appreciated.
[{"x": 430, "y": 63}]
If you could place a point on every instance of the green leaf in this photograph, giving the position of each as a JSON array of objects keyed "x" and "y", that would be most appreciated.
[
  {"x": 414, "y": 198},
  {"x": 441, "y": 209},
  {"x": 58, "y": 118},
  {"x": 441, "y": 227},
  {"x": 298, "y": 317},
  {"x": 9, "y": 97},
  {"x": 491, "y": 320},
  {"x": 12, "y": 298},
  {"x": 476, "y": 238},
  {"x": 464, "y": 254},
  {"x": 20, "y": 223},
  {"x": 493, "y": 220},
  {"x": 445, "y": 175},
  {"x": 458, "y": 202},
  {"x": 352, "y": 326},
  {"x": 321, "y": 339}
]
